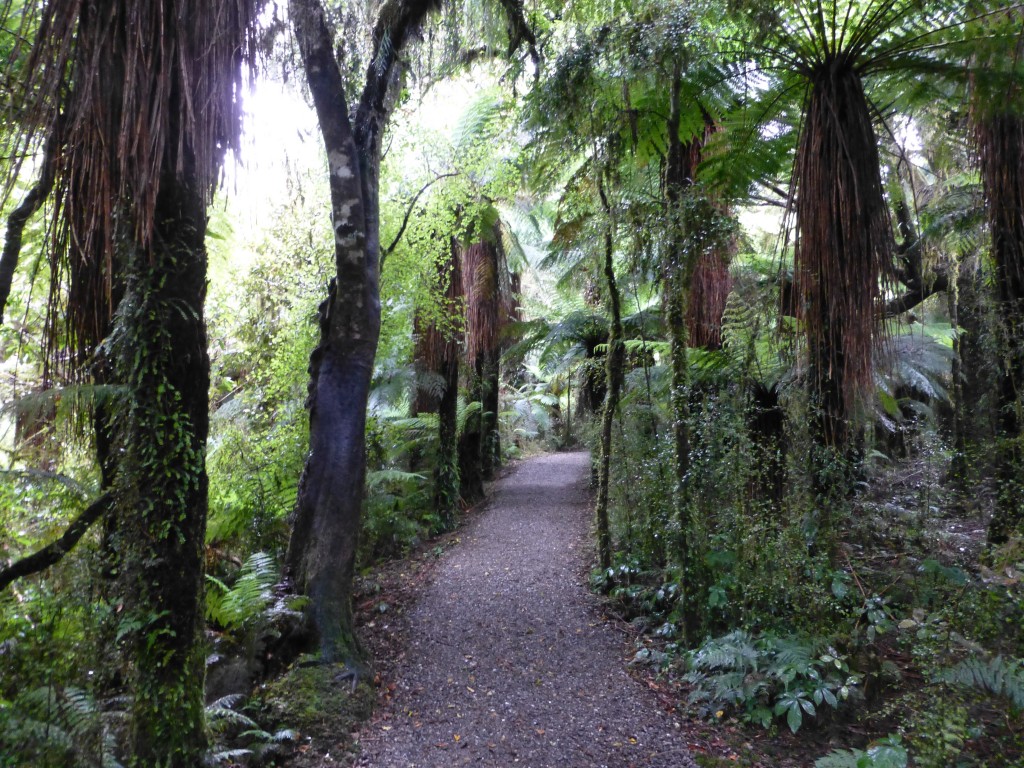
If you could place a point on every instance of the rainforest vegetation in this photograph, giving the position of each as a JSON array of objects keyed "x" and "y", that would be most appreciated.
[{"x": 284, "y": 285}]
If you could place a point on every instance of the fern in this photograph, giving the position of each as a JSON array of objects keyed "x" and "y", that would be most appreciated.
[
  {"x": 1002, "y": 677},
  {"x": 381, "y": 477},
  {"x": 771, "y": 676},
  {"x": 466, "y": 411},
  {"x": 478, "y": 121},
  {"x": 225, "y": 721},
  {"x": 886, "y": 753},
  {"x": 62, "y": 724},
  {"x": 233, "y": 607},
  {"x": 733, "y": 651}
]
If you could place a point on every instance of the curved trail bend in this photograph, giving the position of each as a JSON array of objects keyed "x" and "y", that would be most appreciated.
[{"x": 508, "y": 661}]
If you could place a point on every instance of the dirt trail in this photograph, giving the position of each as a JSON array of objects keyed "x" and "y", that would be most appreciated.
[{"x": 509, "y": 661}]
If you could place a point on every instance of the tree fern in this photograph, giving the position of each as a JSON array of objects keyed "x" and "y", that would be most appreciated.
[{"x": 230, "y": 727}]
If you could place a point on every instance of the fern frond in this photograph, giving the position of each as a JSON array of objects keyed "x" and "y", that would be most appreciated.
[
  {"x": 233, "y": 607},
  {"x": 999, "y": 676},
  {"x": 392, "y": 477}
]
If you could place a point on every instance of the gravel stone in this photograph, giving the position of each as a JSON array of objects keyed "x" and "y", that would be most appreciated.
[{"x": 509, "y": 661}]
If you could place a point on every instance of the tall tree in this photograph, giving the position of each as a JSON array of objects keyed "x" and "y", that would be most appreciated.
[
  {"x": 487, "y": 288},
  {"x": 999, "y": 132},
  {"x": 829, "y": 53},
  {"x": 141, "y": 100},
  {"x": 437, "y": 355},
  {"x": 614, "y": 373},
  {"x": 321, "y": 553},
  {"x": 691, "y": 243}
]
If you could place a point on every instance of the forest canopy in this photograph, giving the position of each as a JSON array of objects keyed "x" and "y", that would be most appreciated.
[{"x": 284, "y": 286}]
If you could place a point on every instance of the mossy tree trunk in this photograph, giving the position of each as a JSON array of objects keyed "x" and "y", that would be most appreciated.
[
  {"x": 161, "y": 486},
  {"x": 974, "y": 366},
  {"x": 437, "y": 355},
  {"x": 140, "y": 98},
  {"x": 614, "y": 371},
  {"x": 693, "y": 241},
  {"x": 471, "y": 439}
]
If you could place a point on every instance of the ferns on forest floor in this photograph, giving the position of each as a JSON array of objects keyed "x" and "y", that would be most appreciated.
[{"x": 768, "y": 677}]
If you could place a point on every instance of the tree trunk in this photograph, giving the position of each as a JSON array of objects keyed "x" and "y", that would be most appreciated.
[
  {"x": 708, "y": 292},
  {"x": 1001, "y": 152},
  {"x": 440, "y": 356},
  {"x": 844, "y": 242},
  {"x": 680, "y": 261},
  {"x": 471, "y": 474},
  {"x": 322, "y": 549},
  {"x": 974, "y": 371},
  {"x": 766, "y": 421},
  {"x": 446, "y": 472},
  {"x": 490, "y": 458},
  {"x": 488, "y": 305},
  {"x": 161, "y": 487},
  {"x": 615, "y": 364}
]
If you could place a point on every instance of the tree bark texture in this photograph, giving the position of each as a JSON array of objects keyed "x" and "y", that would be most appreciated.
[
  {"x": 678, "y": 270},
  {"x": 437, "y": 355},
  {"x": 615, "y": 364},
  {"x": 489, "y": 305},
  {"x": 446, "y": 472},
  {"x": 160, "y": 355},
  {"x": 844, "y": 240},
  {"x": 974, "y": 377},
  {"x": 1001, "y": 152},
  {"x": 139, "y": 102},
  {"x": 321, "y": 553}
]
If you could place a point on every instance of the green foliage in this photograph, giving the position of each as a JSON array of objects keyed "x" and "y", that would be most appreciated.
[
  {"x": 998, "y": 676},
  {"x": 399, "y": 513},
  {"x": 884, "y": 753},
  {"x": 235, "y": 606},
  {"x": 51, "y": 726},
  {"x": 769, "y": 677},
  {"x": 231, "y": 727}
]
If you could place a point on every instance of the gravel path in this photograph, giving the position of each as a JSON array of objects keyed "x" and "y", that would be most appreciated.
[{"x": 509, "y": 662}]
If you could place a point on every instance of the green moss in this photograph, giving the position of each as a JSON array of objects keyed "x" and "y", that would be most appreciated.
[{"x": 317, "y": 702}]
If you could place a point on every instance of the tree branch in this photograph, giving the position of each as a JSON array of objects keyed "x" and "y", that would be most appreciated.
[
  {"x": 767, "y": 200},
  {"x": 396, "y": 21},
  {"x": 909, "y": 250},
  {"x": 777, "y": 190},
  {"x": 913, "y": 297},
  {"x": 54, "y": 552},
  {"x": 408, "y": 213},
  {"x": 19, "y": 217},
  {"x": 910, "y": 269},
  {"x": 519, "y": 31}
]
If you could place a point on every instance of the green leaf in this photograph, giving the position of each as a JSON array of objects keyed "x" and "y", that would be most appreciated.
[{"x": 794, "y": 718}]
